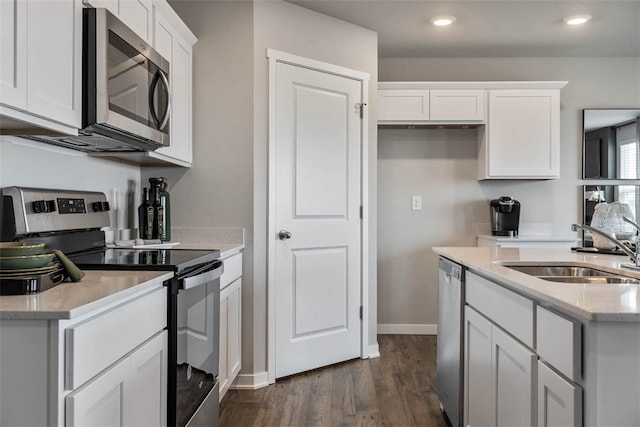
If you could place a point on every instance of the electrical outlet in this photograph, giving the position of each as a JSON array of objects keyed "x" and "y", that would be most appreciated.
[{"x": 416, "y": 203}]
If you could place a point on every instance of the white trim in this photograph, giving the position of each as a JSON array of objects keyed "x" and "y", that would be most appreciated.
[
  {"x": 373, "y": 351},
  {"x": 312, "y": 64},
  {"x": 408, "y": 329},
  {"x": 275, "y": 56},
  {"x": 473, "y": 85},
  {"x": 250, "y": 381}
]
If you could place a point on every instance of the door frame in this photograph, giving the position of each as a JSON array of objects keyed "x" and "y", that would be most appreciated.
[{"x": 275, "y": 56}]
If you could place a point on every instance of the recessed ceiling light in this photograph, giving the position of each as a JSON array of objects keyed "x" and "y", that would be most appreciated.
[
  {"x": 443, "y": 21},
  {"x": 576, "y": 19}
]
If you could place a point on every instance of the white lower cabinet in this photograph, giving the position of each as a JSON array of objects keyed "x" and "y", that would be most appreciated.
[
  {"x": 132, "y": 392},
  {"x": 230, "y": 322},
  {"x": 522, "y": 362},
  {"x": 559, "y": 401},
  {"x": 500, "y": 376},
  {"x": 105, "y": 367}
]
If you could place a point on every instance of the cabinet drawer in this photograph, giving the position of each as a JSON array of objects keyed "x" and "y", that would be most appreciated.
[
  {"x": 559, "y": 342},
  {"x": 94, "y": 344},
  {"x": 232, "y": 270},
  {"x": 512, "y": 312}
]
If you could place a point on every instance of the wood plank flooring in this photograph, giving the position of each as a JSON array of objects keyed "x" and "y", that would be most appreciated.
[{"x": 397, "y": 389}]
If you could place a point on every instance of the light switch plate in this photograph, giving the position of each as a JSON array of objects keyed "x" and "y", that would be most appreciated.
[{"x": 416, "y": 203}]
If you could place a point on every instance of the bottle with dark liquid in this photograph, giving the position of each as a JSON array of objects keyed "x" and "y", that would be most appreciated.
[
  {"x": 145, "y": 216},
  {"x": 159, "y": 189},
  {"x": 158, "y": 216}
]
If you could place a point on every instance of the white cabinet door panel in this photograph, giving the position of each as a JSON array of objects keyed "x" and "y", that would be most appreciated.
[
  {"x": 514, "y": 377},
  {"x": 101, "y": 402},
  {"x": 456, "y": 105},
  {"x": 13, "y": 50},
  {"x": 523, "y": 134},
  {"x": 148, "y": 383},
  {"x": 403, "y": 105},
  {"x": 479, "y": 409},
  {"x": 559, "y": 401},
  {"x": 54, "y": 73}
]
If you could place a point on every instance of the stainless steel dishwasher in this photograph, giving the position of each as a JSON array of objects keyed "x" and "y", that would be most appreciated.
[{"x": 450, "y": 337}]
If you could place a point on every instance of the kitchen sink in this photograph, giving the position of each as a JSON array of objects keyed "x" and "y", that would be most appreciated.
[
  {"x": 558, "y": 270},
  {"x": 572, "y": 274}
]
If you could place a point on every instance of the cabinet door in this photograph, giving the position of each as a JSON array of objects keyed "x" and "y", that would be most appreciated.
[
  {"x": 223, "y": 372},
  {"x": 102, "y": 401},
  {"x": 13, "y": 48},
  {"x": 559, "y": 401},
  {"x": 523, "y": 134},
  {"x": 513, "y": 372},
  {"x": 456, "y": 105},
  {"x": 234, "y": 325},
  {"x": 147, "y": 391},
  {"x": 479, "y": 409},
  {"x": 179, "y": 53},
  {"x": 54, "y": 75},
  {"x": 403, "y": 105},
  {"x": 135, "y": 14}
]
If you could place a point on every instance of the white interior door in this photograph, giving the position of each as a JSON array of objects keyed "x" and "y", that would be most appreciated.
[{"x": 317, "y": 200}]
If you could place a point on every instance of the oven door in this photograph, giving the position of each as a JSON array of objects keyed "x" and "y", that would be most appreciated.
[{"x": 196, "y": 332}]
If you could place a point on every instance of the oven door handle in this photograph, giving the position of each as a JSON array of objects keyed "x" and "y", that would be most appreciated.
[{"x": 201, "y": 278}]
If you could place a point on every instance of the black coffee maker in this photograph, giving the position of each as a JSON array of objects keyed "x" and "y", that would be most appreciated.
[{"x": 505, "y": 216}]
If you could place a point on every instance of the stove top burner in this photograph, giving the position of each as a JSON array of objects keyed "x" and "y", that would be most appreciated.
[{"x": 177, "y": 260}]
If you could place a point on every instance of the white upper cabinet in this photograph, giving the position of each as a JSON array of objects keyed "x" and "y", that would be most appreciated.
[
  {"x": 403, "y": 105},
  {"x": 135, "y": 14},
  {"x": 13, "y": 45},
  {"x": 457, "y": 105},
  {"x": 518, "y": 123},
  {"x": 41, "y": 72},
  {"x": 175, "y": 44},
  {"x": 425, "y": 103},
  {"x": 522, "y": 138}
]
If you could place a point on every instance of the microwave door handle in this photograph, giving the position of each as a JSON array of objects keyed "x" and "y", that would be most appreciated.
[
  {"x": 152, "y": 97},
  {"x": 167, "y": 92}
]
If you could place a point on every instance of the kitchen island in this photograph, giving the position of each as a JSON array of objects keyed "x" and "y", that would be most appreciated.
[{"x": 550, "y": 353}]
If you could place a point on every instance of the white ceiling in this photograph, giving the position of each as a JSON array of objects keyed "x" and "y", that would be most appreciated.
[{"x": 499, "y": 28}]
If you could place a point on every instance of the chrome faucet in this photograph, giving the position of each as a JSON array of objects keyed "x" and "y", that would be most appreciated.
[{"x": 634, "y": 257}]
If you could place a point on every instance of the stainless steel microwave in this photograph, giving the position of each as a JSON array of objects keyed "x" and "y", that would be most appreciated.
[{"x": 125, "y": 84}]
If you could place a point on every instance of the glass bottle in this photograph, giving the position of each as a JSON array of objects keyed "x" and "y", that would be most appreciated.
[
  {"x": 158, "y": 214},
  {"x": 145, "y": 216}
]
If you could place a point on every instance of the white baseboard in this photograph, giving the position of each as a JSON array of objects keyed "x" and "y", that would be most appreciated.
[
  {"x": 408, "y": 329},
  {"x": 250, "y": 381}
]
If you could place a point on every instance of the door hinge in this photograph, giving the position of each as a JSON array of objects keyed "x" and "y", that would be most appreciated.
[
  {"x": 361, "y": 211},
  {"x": 360, "y": 312},
  {"x": 360, "y": 107}
]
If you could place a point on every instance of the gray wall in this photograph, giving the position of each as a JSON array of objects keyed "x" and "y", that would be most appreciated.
[
  {"x": 217, "y": 191},
  {"x": 227, "y": 185},
  {"x": 26, "y": 163},
  {"x": 440, "y": 165}
]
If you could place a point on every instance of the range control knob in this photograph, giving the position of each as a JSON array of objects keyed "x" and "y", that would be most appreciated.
[
  {"x": 100, "y": 206},
  {"x": 50, "y": 206},
  {"x": 38, "y": 206}
]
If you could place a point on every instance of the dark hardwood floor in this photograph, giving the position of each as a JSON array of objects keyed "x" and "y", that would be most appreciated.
[{"x": 397, "y": 389}]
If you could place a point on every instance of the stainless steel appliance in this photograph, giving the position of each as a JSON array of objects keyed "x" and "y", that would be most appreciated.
[
  {"x": 449, "y": 366},
  {"x": 71, "y": 221},
  {"x": 125, "y": 90},
  {"x": 505, "y": 216}
]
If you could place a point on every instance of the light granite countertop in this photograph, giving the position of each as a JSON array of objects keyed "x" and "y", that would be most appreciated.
[
  {"x": 611, "y": 302},
  {"x": 228, "y": 241},
  {"x": 68, "y": 300}
]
